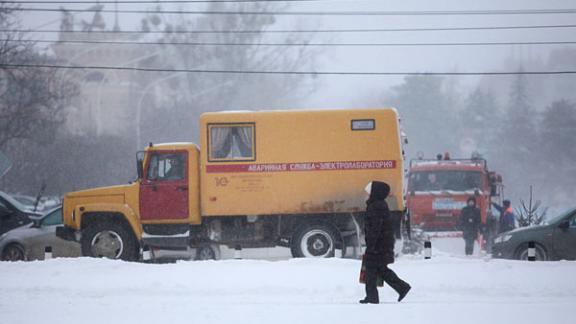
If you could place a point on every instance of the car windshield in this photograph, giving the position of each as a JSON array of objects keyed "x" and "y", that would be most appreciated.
[
  {"x": 53, "y": 217},
  {"x": 554, "y": 219},
  {"x": 13, "y": 201},
  {"x": 445, "y": 180}
]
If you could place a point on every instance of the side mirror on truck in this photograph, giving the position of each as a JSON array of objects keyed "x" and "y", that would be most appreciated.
[
  {"x": 493, "y": 190},
  {"x": 140, "y": 164}
]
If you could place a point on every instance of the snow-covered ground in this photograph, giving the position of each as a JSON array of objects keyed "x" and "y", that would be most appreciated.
[{"x": 446, "y": 289}]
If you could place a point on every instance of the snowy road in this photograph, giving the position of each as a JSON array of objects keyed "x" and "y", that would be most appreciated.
[{"x": 445, "y": 290}]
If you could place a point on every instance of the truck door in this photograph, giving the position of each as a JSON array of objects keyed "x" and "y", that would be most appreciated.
[{"x": 164, "y": 189}]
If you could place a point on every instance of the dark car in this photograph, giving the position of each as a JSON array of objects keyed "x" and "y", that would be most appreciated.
[
  {"x": 13, "y": 214},
  {"x": 554, "y": 240}
]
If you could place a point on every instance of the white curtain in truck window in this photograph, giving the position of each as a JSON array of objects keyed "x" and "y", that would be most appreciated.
[
  {"x": 232, "y": 142},
  {"x": 220, "y": 142},
  {"x": 244, "y": 141}
]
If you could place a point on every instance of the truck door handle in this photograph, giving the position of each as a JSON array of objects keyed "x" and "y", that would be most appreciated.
[
  {"x": 182, "y": 188},
  {"x": 154, "y": 188}
]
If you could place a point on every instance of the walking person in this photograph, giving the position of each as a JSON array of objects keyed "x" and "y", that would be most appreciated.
[
  {"x": 470, "y": 224},
  {"x": 507, "y": 219},
  {"x": 379, "y": 234}
]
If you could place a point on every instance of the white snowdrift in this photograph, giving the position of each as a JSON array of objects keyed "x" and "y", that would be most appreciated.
[{"x": 445, "y": 290}]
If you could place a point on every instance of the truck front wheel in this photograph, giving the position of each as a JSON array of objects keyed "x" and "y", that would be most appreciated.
[
  {"x": 314, "y": 241},
  {"x": 109, "y": 240}
]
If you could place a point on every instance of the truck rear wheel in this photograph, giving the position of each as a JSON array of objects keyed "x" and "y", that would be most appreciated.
[
  {"x": 314, "y": 241},
  {"x": 207, "y": 252},
  {"x": 109, "y": 240}
]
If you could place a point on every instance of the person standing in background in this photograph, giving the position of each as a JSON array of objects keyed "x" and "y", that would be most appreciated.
[
  {"x": 507, "y": 218},
  {"x": 470, "y": 224}
]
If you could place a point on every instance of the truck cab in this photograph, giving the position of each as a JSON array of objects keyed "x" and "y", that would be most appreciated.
[{"x": 439, "y": 188}]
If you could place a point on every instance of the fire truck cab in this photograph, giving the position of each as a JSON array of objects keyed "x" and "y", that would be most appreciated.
[{"x": 439, "y": 188}]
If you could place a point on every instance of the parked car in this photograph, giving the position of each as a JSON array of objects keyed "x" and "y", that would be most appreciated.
[
  {"x": 13, "y": 214},
  {"x": 45, "y": 203},
  {"x": 29, "y": 242},
  {"x": 554, "y": 240}
]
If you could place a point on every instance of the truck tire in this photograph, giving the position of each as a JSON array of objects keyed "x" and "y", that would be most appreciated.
[
  {"x": 206, "y": 252},
  {"x": 109, "y": 239},
  {"x": 314, "y": 241}
]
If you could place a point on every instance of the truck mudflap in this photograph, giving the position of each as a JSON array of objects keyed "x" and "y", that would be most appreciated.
[{"x": 66, "y": 233}]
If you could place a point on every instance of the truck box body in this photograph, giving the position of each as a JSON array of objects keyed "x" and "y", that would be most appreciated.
[
  {"x": 300, "y": 161},
  {"x": 256, "y": 179}
]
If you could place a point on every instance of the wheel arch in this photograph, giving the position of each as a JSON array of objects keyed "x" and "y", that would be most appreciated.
[{"x": 111, "y": 212}]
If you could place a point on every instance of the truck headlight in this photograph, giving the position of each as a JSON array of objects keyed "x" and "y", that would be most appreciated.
[{"x": 503, "y": 238}]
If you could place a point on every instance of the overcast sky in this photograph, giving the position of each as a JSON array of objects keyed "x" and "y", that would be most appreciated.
[{"x": 345, "y": 90}]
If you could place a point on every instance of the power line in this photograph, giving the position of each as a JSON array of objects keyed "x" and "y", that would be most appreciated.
[
  {"x": 319, "y": 13},
  {"x": 297, "y": 44},
  {"x": 348, "y": 73},
  {"x": 368, "y": 30},
  {"x": 157, "y": 2}
]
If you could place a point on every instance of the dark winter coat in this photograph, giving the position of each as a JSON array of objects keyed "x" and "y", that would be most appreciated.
[
  {"x": 379, "y": 226},
  {"x": 470, "y": 221}
]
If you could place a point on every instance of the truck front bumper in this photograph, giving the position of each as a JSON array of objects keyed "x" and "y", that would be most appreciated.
[{"x": 67, "y": 233}]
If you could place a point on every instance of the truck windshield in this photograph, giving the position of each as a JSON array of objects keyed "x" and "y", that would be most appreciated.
[{"x": 445, "y": 180}]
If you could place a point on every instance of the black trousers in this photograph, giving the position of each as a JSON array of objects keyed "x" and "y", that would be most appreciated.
[
  {"x": 389, "y": 276},
  {"x": 469, "y": 248}
]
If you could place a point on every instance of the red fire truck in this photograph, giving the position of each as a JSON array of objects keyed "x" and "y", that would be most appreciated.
[{"x": 439, "y": 188}]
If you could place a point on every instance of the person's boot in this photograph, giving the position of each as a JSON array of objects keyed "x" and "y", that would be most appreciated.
[
  {"x": 403, "y": 291},
  {"x": 369, "y": 301}
]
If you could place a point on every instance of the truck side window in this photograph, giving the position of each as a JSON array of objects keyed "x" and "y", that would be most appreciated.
[
  {"x": 167, "y": 167},
  {"x": 231, "y": 142},
  {"x": 153, "y": 168}
]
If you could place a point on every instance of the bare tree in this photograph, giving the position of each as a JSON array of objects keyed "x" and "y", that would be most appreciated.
[
  {"x": 33, "y": 100},
  {"x": 177, "y": 99}
]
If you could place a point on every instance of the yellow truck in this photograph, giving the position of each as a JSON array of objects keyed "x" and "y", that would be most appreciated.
[{"x": 258, "y": 179}]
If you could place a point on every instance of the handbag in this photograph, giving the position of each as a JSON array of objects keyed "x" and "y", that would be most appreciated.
[{"x": 379, "y": 278}]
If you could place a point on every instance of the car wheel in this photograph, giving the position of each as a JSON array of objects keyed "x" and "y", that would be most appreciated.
[
  {"x": 13, "y": 252},
  {"x": 109, "y": 240},
  {"x": 522, "y": 253},
  {"x": 206, "y": 252},
  {"x": 314, "y": 241}
]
